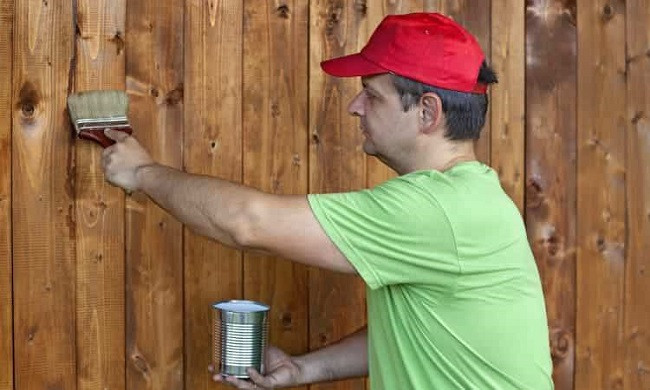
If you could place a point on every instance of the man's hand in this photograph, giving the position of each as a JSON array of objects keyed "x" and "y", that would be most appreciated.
[
  {"x": 122, "y": 160},
  {"x": 346, "y": 359},
  {"x": 282, "y": 370}
]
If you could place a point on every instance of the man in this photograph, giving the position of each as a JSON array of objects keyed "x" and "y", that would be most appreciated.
[{"x": 454, "y": 296}]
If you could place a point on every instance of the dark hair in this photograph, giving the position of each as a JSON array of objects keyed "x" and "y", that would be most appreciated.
[{"x": 465, "y": 112}]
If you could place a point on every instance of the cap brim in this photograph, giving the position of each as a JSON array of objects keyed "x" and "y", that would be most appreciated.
[{"x": 351, "y": 66}]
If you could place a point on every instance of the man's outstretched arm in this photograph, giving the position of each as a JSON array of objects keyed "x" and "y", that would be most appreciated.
[{"x": 233, "y": 214}]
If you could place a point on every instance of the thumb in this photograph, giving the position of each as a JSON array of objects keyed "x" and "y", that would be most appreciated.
[
  {"x": 258, "y": 378},
  {"x": 115, "y": 135}
]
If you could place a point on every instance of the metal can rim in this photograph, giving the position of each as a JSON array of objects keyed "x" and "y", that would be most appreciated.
[{"x": 263, "y": 307}]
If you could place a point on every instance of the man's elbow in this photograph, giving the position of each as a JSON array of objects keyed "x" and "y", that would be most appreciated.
[{"x": 245, "y": 223}]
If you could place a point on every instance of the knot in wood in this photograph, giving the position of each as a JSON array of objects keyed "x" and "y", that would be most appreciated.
[
  {"x": 333, "y": 19},
  {"x": 28, "y": 100},
  {"x": 140, "y": 363},
  {"x": 118, "y": 41},
  {"x": 287, "y": 320},
  {"x": 560, "y": 344},
  {"x": 283, "y": 11},
  {"x": 31, "y": 333},
  {"x": 535, "y": 193},
  {"x": 28, "y": 110},
  {"x": 601, "y": 244},
  {"x": 175, "y": 96},
  {"x": 361, "y": 7},
  {"x": 608, "y": 12},
  {"x": 275, "y": 110},
  {"x": 553, "y": 245}
]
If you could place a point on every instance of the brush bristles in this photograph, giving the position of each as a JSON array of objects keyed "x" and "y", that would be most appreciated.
[{"x": 97, "y": 105}]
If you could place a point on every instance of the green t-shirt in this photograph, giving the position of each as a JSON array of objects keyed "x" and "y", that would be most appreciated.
[{"x": 454, "y": 297}]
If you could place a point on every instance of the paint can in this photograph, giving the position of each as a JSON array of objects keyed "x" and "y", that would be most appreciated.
[{"x": 239, "y": 336}]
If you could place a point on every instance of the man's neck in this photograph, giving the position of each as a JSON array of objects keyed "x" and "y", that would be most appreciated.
[{"x": 442, "y": 157}]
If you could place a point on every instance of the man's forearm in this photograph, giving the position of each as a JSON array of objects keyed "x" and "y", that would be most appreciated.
[
  {"x": 346, "y": 359},
  {"x": 207, "y": 205}
]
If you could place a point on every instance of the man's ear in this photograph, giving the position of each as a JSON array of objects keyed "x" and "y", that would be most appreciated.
[{"x": 430, "y": 112}]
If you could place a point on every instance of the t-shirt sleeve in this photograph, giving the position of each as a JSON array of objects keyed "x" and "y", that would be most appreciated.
[{"x": 394, "y": 233}]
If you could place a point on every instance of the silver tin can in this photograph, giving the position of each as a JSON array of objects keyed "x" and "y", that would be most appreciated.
[{"x": 239, "y": 336}]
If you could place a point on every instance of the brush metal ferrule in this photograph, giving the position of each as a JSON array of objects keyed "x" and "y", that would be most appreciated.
[{"x": 117, "y": 122}]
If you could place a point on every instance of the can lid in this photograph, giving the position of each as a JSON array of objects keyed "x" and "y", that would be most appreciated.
[{"x": 240, "y": 306}]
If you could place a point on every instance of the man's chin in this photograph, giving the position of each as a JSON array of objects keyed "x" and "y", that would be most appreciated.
[{"x": 369, "y": 149}]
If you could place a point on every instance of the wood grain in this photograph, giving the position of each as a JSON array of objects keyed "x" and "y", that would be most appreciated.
[
  {"x": 637, "y": 281},
  {"x": 276, "y": 152},
  {"x": 99, "y": 208},
  {"x": 43, "y": 198},
  {"x": 212, "y": 145},
  {"x": 6, "y": 309},
  {"x": 154, "y": 285},
  {"x": 601, "y": 194},
  {"x": 551, "y": 83},
  {"x": 336, "y": 163},
  {"x": 507, "y": 97}
]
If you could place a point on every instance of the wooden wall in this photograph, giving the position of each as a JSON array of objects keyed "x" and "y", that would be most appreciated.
[{"x": 99, "y": 290}]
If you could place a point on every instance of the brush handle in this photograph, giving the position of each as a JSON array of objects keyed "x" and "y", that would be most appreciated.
[{"x": 98, "y": 135}]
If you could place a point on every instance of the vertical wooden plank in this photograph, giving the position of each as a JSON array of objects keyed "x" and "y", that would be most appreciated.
[
  {"x": 43, "y": 204},
  {"x": 6, "y": 309},
  {"x": 276, "y": 151},
  {"x": 154, "y": 285},
  {"x": 336, "y": 163},
  {"x": 213, "y": 146},
  {"x": 475, "y": 17},
  {"x": 637, "y": 282},
  {"x": 376, "y": 171},
  {"x": 99, "y": 209},
  {"x": 601, "y": 190},
  {"x": 550, "y": 169},
  {"x": 507, "y": 98}
]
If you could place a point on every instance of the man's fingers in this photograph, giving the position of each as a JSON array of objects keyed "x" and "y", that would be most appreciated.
[
  {"x": 257, "y": 381},
  {"x": 239, "y": 383},
  {"x": 258, "y": 378},
  {"x": 115, "y": 135}
]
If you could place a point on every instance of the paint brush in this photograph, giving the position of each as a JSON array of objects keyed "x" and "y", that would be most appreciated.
[{"x": 93, "y": 111}]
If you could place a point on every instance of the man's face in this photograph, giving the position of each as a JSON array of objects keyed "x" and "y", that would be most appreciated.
[{"x": 389, "y": 132}]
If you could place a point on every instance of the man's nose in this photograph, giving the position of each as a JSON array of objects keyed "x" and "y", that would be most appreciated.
[{"x": 356, "y": 105}]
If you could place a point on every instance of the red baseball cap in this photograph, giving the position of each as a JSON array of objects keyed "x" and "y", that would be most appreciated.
[{"x": 427, "y": 47}]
